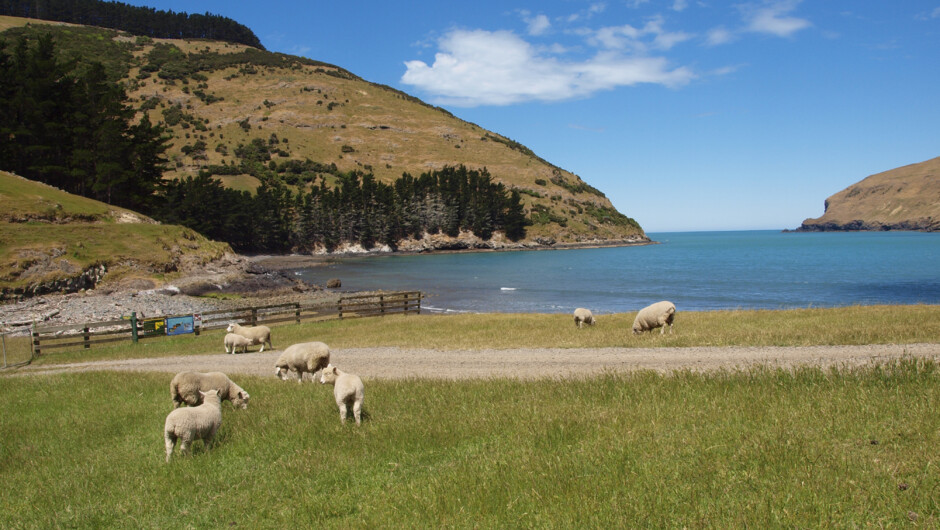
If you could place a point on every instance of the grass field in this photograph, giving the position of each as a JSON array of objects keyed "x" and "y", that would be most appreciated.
[
  {"x": 762, "y": 448},
  {"x": 755, "y": 448}
]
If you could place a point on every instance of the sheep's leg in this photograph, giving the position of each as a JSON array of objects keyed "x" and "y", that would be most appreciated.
[
  {"x": 169, "y": 441},
  {"x": 300, "y": 377},
  {"x": 357, "y": 410},
  {"x": 184, "y": 446},
  {"x": 342, "y": 411}
]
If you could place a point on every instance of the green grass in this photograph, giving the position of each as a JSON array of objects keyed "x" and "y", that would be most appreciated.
[
  {"x": 65, "y": 234},
  {"x": 761, "y": 448},
  {"x": 798, "y": 327}
]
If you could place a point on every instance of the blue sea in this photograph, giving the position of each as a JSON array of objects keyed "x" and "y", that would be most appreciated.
[{"x": 696, "y": 270}]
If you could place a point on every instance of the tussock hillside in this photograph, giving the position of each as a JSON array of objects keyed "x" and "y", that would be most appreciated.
[
  {"x": 55, "y": 241},
  {"x": 905, "y": 198},
  {"x": 304, "y": 122}
]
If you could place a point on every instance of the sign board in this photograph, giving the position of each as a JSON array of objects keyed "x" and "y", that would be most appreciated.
[
  {"x": 179, "y": 325},
  {"x": 197, "y": 321},
  {"x": 153, "y": 326}
]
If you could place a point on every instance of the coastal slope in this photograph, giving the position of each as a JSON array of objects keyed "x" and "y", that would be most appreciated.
[
  {"x": 247, "y": 116},
  {"x": 904, "y": 198}
]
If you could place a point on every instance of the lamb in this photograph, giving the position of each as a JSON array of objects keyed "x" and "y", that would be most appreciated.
[
  {"x": 347, "y": 389},
  {"x": 193, "y": 423},
  {"x": 655, "y": 316},
  {"x": 304, "y": 357},
  {"x": 187, "y": 387},
  {"x": 256, "y": 334},
  {"x": 583, "y": 316},
  {"x": 233, "y": 342}
]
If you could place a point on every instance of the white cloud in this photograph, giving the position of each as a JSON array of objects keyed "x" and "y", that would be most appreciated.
[
  {"x": 627, "y": 37},
  {"x": 680, "y": 5},
  {"x": 718, "y": 36},
  {"x": 499, "y": 68},
  {"x": 539, "y": 25},
  {"x": 772, "y": 18}
]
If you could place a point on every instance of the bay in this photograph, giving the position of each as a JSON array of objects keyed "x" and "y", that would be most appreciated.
[{"x": 695, "y": 270}]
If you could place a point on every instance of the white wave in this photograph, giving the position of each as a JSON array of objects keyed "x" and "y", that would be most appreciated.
[{"x": 507, "y": 288}]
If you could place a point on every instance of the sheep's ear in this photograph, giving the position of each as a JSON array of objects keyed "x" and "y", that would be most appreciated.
[{"x": 201, "y": 393}]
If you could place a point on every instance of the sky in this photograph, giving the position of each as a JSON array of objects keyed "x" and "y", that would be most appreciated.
[{"x": 689, "y": 115}]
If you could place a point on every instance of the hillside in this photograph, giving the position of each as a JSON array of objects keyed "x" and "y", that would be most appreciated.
[
  {"x": 230, "y": 107},
  {"x": 53, "y": 241},
  {"x": 905, "y": 198}
]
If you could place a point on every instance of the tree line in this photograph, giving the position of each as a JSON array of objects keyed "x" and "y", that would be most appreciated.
[
  {"x": 71, "y": 127},
  {"x": 357, "y": 210},
  {"x": 136, "y": 20}
]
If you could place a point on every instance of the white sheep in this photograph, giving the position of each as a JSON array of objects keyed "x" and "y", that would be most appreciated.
[
  {"x": 186, "y": 387},
  {"x": 193, "y": 423},
  {"x": 256, "y": 334},
  {"x": 306, "y": 357},
  {"x": 655, "y": 316},
  {"x": 583, "y": 316},
  {"x": 234, "y": 341},
  {"x": 347, "y": 389}
]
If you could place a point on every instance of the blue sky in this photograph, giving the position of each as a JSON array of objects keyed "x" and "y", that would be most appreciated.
[{"x": 688, "y": 115}]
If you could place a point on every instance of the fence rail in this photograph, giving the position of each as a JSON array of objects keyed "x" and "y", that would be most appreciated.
[{"x": 44, "y": 338}]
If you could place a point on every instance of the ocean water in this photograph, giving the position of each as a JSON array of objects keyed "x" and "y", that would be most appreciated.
[{"x": 696, "y": 270}]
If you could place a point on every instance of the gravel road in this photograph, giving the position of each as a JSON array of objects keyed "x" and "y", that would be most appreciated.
[{"x": 403, "y": 363}]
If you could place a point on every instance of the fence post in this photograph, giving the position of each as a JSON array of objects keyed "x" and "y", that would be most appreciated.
[
  {"x": 36, "y": 350},
  {"x": 297, "y": 312},
  {"x": 339, "y": 308},
  {"x": 382, "y": 303},
  {"x": 254, "y": 316},
  {"x": 134, "y": 326},
  {"x": 85, "y": 337}
]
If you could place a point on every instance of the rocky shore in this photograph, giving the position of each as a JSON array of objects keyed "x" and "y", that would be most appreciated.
[{"x": 235, "y": 281}]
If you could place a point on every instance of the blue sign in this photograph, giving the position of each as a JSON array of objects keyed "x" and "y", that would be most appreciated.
[{"x": 179, "y": 325}]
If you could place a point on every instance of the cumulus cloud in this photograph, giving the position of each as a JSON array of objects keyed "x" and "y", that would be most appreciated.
[
  {"x": 773, "y": 18},
  {"x": 481, "y": 67}
]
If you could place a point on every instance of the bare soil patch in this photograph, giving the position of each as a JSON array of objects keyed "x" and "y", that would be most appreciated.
[{"x": 405, "y": 363}]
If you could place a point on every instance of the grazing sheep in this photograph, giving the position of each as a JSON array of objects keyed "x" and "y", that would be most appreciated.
[
  {"x": 655, "y": 316},
  {"x": 347, "y": 389},
  {"x": 304, "y": 357},
  {"x": 583, "y": 316},
  {"x": 234, "y": 341},
  {"x": 186, "y": 387},
  {"x": 193, "y": 423},
  {"x": 256, "y": 334}
]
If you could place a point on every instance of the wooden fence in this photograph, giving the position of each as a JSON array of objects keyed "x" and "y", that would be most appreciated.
[{"x": 135, "y": 329}]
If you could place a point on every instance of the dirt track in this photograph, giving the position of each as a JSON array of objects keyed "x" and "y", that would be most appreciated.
[{"x": 398, "y": 363}]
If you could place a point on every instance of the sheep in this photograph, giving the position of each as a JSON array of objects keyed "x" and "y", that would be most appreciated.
[
  {"x": 186, "y": 387},
  {"x": 193, "y": 423},
  {"x": 583, "y": 316},
  {"x": 303, "y": 357},
  {"x": 234, "y": 341},
  {"x": 655, "y": 316},
  {"x": 256, "y": 334},
  {"x": 347, "y": 389}
]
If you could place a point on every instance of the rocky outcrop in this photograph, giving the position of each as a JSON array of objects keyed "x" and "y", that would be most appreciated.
[
  {"x": 87, "y": 279},
  {"x": 905, "y": 198}
]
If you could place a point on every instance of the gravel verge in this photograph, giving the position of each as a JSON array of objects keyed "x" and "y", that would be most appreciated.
[{"x": 534, "y": 363}]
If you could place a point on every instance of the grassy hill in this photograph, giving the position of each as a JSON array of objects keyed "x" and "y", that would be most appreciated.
[
  {"x": 223, "y": 102},
  {"x": 905, "y": 198},
  {"x": 51, "y": 240}
]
